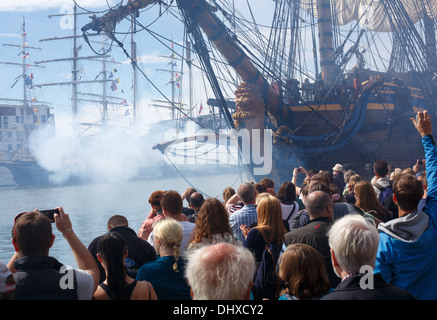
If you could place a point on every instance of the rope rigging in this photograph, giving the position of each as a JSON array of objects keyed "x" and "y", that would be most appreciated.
[{"x": 276, "y": 56}]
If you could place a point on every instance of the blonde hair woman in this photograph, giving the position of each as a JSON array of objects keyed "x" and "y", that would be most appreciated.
[
  {"x": 167, "y": 273},
  {"x": 270, "y": 227},
  {"x": 267, "y": 234}
]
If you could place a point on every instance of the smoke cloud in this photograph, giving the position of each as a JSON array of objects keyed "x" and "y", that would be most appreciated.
[{"x": 111, "y": 156}]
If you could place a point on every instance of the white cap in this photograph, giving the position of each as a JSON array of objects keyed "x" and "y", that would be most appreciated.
[{"x": 338, "y": 167}]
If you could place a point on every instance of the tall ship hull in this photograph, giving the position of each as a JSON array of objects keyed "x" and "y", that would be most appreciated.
[{"x": 375, "y": 126}]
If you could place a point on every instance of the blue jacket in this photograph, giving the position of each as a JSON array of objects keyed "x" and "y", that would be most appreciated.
[{"x": 407, "y": 253}]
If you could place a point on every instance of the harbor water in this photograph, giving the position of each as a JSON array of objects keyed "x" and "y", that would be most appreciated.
[{"x": 90, "y": 206}]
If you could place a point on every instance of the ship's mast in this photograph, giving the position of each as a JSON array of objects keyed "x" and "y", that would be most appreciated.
[
  {"x": 327, "y": 64},
  {"x": 134, "y": 73},
  {"x": 171, "y": 104},
  {"x": 24, "y": 75},
  {"x": 24, "y": 65},
  {"x": 190, "y": 76},
  {"x": 74, "y": 71},
  {"x": 75, "y": 81}
]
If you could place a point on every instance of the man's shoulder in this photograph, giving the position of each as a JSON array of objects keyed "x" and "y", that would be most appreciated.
[
  {"x": 85, "y": 284},
  {"x": 245, "y": 211},
  {"x": 383, "y": 182},
  {"x": 248, "y": 208},
  {"x": 130, "y": 236},
  {"x": 187, "y": 225},
  {"x": 311, "y": 227}
]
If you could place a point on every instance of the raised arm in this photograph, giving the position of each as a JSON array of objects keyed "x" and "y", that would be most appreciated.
[
  {"x": 84, "y": 259},
  {"x": 423, "y": 125}
]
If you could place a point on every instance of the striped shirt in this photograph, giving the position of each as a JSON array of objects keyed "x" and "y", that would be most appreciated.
[{"x": 244, "y": 216}]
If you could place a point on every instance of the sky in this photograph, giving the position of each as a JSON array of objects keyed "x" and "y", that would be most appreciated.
[{"x": 46, "y": 19}]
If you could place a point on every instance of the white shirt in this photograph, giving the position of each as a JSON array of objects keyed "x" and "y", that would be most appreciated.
[{"x": 187, "y": 231}]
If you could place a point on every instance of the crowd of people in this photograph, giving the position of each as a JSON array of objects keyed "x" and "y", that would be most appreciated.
[{"x": 335, "y": 237}]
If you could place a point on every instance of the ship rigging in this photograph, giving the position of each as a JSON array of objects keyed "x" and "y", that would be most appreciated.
[{"x": 336, "y": 78}]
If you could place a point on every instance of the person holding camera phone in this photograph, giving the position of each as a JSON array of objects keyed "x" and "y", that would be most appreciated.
[
  {"x": 308, "y": 174},
  {"x": 39, "y": 276}
]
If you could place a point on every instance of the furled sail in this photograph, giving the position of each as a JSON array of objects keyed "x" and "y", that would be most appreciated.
[{"x": 374, "y": 14}]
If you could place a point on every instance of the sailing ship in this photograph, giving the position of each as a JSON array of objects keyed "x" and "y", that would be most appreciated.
[
  {"x": 19, "y": 118},
  {"x": 29, "y": 151},
  {"x": 347, "y": 99}
]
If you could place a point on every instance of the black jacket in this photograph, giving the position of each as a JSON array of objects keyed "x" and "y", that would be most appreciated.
[
  {"x": 350, "y": 289},
  {"x": 314, "y": 235},
  {"x": 39, "y": 278},
  {"x": 139, "y": 251}
]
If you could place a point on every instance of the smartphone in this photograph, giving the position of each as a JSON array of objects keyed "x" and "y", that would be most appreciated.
[
  {"x": 420, "y": 162},
  {"x": 49, "y": 213}
]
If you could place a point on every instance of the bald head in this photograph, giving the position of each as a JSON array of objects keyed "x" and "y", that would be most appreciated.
[
  {"x": 319, "y": 204},
  {"x": 221, "y": 271}
]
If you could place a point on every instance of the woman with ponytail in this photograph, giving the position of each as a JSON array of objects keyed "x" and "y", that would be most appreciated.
[
  {"x": 227, "y": 194},
  {"x": 166, "y": 274},
  {"x": 112, "y": 252}
]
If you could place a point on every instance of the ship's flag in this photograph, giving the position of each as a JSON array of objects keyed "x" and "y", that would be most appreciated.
[
  {"x": 34, "y": 99},
  {"x": 115, "y": 69},
  {"x": 113, "y": 86},
  {"x": 111, "y": 75},
  {"x": 35, "y": 109},
  {"x": 124, "y": 102},
  {"x": 118, "y": 80},
  {"x": 127, "y": 113},
  {"x": 29, "y": 81},
  {"x": 26, "y": 55},
  {"x": 200, "y": 108}
]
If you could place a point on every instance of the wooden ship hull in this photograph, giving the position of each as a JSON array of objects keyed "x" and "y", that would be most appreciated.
[{"x": 376, "y": 126}]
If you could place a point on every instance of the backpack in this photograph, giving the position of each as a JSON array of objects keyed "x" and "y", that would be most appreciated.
[
  {"x": 285, "y": 221},
  {"x": 267, "y": 282},
  {"x": 384, "y": 193}
]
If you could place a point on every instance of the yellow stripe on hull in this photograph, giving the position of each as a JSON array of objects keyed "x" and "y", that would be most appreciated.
[{"x": 338, "y": 107}]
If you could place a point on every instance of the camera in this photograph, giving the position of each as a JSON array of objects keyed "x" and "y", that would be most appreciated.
[
  {"x": 299, "y": 169},
  {"x": 420, "y": 162},
  {"x": 49, "y": 213}
]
